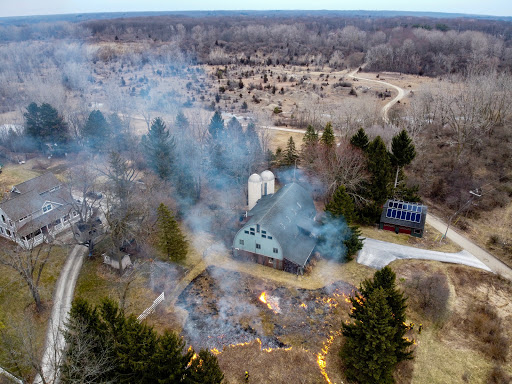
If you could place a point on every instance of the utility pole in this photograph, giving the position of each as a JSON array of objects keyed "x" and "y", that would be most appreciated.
[{"x": 476, "y": 193}]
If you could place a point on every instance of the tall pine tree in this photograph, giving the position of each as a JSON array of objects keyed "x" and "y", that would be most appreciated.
[
  {"x": 96, "y": 131},
  {"x": 159, "y": 146},
  {"x": 369, "y": 351},
  {"x": 216, "y": 126},
  {"x": 379, "y": 166},
  {"x": 386, "y": 279},
  {"x": 328, "y": 138},
  {"x": 402, "y": 151},
  {"x": 171, "y": 240},
  {"x": 341, "y": 204},
  {"x": 290, "y": 155}
]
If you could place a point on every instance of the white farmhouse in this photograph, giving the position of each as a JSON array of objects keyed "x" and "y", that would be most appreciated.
[{"x": 36, "y": 210}]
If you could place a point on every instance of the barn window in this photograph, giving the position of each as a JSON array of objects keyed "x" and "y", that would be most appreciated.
[
  {"x": 3, "y": 218},
  {"x": 276, "y": 250},
  {"x": 246, "y": 232},
  {"x": 241, "y": 242},
  {"x": 47, "y": 208},
  {"x": 264, "y": 236},
  {"x": 258, "y": 228},
  {"x": 264, "y": 232},
  {"x": 270, "y": 237},
  {"x": 1, "y": 230},
  {"x": 417, "y": 231},
  {"x": 8, "y": 232},
  {"x": 258, "y": 246}
]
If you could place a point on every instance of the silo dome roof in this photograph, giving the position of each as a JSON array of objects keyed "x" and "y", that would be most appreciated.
[
  {"x": 267, "y": 176},
  {"x": 255, "y": 178}
]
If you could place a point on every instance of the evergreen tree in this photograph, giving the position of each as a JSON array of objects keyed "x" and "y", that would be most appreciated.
[
  {"x": 96, "y": 130},
  {"x": 379, "y": 166},
  {"x": 354, "y": 242},
  {"x": 171, "y": 240},
  {"x": 386, "y": 279},
  {"x": 170, "y": 361},
  {"x": 290, "y": 155},
  {"x": 360, "y": 140},
  {"x": 159, "y": 146},
  {"x": 181, "y": 122},
  {"x": 402, "y": 151},
  {"x": 44, "y": 125},
  {"x": 341, "y": 204},
  {"x": 205, "y": 369},
  {"x": 368, "y": 352},
  {"x": 328, "y": 138},
  {"x": 216, "y": 126},
  {"x": 311, "y": 136}
]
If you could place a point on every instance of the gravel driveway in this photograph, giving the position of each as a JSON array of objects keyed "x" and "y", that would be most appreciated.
[{"x": 377, "y": 254}]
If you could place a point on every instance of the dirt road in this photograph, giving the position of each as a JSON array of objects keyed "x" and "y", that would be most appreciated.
[
  {"x": 385, "y": 109},
  {"x": 61, "y": 304},
  {"x": 485, "y": 257}
]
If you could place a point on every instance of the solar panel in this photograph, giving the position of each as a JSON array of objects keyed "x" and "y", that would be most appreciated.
[
  {"x": 419, "y": 209},
  {"x": 399, "y": 206},
  {"x": 418, "y": 217},
  {"x": 388, "y": 213},
  {"x": 408, "y": 216},
  {"x": 394, "y": 212},
  {"x": 391, "y": 204}
]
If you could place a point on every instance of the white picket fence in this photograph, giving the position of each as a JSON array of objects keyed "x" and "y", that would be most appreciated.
[{"x": 151, "y": 309}]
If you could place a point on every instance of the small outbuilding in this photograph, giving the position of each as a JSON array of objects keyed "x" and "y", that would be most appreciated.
[{"x": 403, "y": 217}]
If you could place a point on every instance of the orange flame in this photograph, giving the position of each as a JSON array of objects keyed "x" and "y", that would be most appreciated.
[
  {"x": 320, "y": 357},
  {"x": 263, "y": 299},
  {"x": 303, "y": 305}
]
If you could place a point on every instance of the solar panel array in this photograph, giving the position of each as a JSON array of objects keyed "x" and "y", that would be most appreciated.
[{"x": 404, "y": 211}]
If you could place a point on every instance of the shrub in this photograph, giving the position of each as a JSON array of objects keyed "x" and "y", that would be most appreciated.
[
  {"x": 430, "y": 293},
  {"x": 486, "y": 325},
  {"x": 498, "y": 376}
]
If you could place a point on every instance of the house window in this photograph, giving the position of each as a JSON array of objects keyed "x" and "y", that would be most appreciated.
[
  {"x": 8, "y": 232},
  {"x": 1, "y": 230},
  {"x": 11, "y": 223},
  {"x": 57, "y": 222},
  {"x": 3, "y": 218},
  {"x": 66, "y": 218},
  {"x": 75, "y": 213},
  {"x": 258, "y": 246},
  {"x": 276, "y": 250},
  {"x": 47, "y": 208},
  {"x": 23, "y": 218},
  {"x": 241, "y": 242}
]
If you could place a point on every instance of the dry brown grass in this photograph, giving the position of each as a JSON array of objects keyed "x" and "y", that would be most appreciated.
[
  {"x": 430, "y": 239},
  {"x": 277, "y": 366}
]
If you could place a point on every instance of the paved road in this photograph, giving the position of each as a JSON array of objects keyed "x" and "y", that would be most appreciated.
[
  {"x": 485, "y": 257},
  {"x": 385, "y": 109},
  {"x": 61, "y": 305},
  {"x": 377, "y": 254}
]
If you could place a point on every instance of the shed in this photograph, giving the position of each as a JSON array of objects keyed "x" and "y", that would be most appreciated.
[{"x": 403, "y": 217}]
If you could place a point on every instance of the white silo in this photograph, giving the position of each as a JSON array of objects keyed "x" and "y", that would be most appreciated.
[
  {"x": 268, "y": 180},
  {"x": 254, "y": 190}
]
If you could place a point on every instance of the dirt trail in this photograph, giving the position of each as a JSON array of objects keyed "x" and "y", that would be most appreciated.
[{"x": 385, "y": 109}]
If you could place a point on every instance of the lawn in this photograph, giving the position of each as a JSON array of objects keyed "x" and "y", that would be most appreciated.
[{"x": 17, "y": 306}]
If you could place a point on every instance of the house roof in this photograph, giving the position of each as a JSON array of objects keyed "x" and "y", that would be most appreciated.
[
  {"x": 33, "y": 194},
  {"x": 280, "y": 214},
  {"x": 41, "y": 184},
  {"x": 415, "y": 214}
]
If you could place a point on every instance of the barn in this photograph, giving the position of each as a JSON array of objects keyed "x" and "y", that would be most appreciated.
[
  {"x": 403, "y": 217},
  {"x": 276, "y": 232}
]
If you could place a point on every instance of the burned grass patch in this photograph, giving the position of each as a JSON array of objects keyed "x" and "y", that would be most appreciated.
[{"x": 227, "y": 308}]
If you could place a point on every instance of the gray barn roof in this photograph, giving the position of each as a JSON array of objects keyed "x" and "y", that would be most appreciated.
[{"x": 281, "y": 213}]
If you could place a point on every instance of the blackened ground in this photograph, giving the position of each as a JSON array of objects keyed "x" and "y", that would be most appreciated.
[{"x": 224, "y": 309}]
